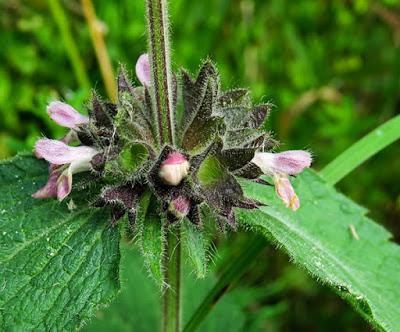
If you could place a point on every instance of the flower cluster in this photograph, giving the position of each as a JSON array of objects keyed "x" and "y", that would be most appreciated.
[{"x": 218, "y": 136}]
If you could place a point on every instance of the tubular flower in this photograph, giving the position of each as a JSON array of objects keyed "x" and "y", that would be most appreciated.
[
  {"x": 279, "y": 166},
  {"x": 64, "y": 162},
  {"x": 143, "y": 70},
  {"x": 65, "y": 115}
]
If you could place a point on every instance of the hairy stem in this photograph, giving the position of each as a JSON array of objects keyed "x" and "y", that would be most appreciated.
[
  {"x": 161, "y": 92},
  {"x": 97, "y": 35},
  {"x": 69, "y": 44},
  {"x": 172, "y": 274},
  {"x": 161, "y": 77},
  {"x": 229, "y": 277}
]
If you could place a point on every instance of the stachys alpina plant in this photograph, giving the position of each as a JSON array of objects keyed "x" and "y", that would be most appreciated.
[
  {"x": 168, "y": 152},
  {"x": 218, "y": 135},
  {"x": 177, "y": 160}
]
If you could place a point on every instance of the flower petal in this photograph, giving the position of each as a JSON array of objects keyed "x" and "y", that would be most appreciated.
[
  {"x": 50, "y": 188},
  {"x": 64, "y": 185},
  {"x": 286, "y": 193},
  {"x": 59, "y": 153},
  {"x": 287, "y": 162},
  {"x": 143, "y": 69},
  {"x": 292, "y": 162},
  {"x": 65, "y": 115}
]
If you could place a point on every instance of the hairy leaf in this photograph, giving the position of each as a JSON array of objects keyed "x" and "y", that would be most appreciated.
[
  {"x": 57, "y": 265},
  {"x": 151, "y": 236},
  {"x": 195, "y": 246},
  {"x": 332, "y": 238}
]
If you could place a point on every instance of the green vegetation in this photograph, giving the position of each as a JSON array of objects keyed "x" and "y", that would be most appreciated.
[{"x": 332, "y": 70}]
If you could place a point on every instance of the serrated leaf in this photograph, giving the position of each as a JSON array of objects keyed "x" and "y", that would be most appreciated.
[
  {"x": 332, "y": 238},
  {"x": 58, "y": 266}
]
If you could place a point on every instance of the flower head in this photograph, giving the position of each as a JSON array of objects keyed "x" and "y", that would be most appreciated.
[
  {"x": 279, "y": 166},
  {"x": 143, "y": 70},
  {"x": 64, "y": 162},
  {"x": 174, "y": 169},
  {"x": 65, "y": 115}
]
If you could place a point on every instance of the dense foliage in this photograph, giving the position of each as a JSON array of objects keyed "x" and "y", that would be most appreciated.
[{"x": 330, "y": 67}]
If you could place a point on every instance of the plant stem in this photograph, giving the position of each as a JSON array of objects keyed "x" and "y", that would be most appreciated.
[
  {"x": 335, "y": 171},
  {"x": 97, "y": 36},
  {"x": 161, "y": 92},
  {"x": 172, "y": 274},
  {"x": 229, "y": 277},
  {"x": 161, "y": 77},
  {"x": 359, "y": 152},
  {"x": 69, "y": 44}
]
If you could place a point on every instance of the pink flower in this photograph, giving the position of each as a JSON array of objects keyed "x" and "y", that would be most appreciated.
[
  {"x": 65, "y": 115},
  {"x": 288, "y": 162},
  {"x": 143, "y": 70},
  {"x": 279, "y": 166},
  {"x": 180, "y": 206},
  {"x": 64, "y": 162},
  {"x": 174, "y": 169}
]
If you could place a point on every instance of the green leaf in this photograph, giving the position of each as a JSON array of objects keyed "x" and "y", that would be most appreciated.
[
  {"x": 151, "y": 237},
  {"x": 332, "y": 238},
  {"x": 363, "y": 149},
  {"x": 58, "y": 266},
  {"x": 195, "y": 246}
]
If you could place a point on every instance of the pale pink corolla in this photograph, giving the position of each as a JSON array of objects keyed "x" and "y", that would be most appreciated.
[
  {"x": 143, "y": 70},
  {"x": 64, "y": 162},
  {"x": 65, "y": 115},
  {"x": 279, "y": 166}
]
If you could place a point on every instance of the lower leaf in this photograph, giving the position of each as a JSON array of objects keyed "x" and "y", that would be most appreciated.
[
  {"x": 331, "y": 237},
  {"x": 58, "y": 264}
]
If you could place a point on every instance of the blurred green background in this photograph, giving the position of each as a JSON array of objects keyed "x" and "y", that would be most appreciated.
[{"x": 332, "y": 68}]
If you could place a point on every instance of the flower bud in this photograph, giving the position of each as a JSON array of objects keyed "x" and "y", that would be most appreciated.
[
  {"x": 143, "y": 70},
  {"x": 174, "y": 169},
  {"x": 179, "y": 206},
  {"x": 287, "y": 162},
  {"x": 65, "y": 115}
]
